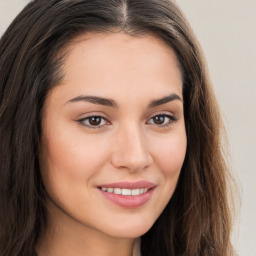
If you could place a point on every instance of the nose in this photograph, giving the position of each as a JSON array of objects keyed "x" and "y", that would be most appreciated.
[{"x": 130, "y": 150}]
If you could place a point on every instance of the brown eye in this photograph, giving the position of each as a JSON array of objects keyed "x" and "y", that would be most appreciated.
[
  {"x": 159, "y": 119},
  {"x": 162, "y": 120},
  {"x": 93, "y": 121}
]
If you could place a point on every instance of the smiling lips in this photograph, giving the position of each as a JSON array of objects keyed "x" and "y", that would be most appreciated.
[
  {"x": 128, "y": 194},
  {"x": 126, "y": 191}
]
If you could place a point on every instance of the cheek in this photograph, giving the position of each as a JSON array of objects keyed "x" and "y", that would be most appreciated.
[
  {"x": 170, "y": 154},
  {"x": 67, "y": 167},
  {"x": 66, "y": 157}
]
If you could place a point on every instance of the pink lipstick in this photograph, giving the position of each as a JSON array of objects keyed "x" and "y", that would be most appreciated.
[{"x": 128, "y": 194}]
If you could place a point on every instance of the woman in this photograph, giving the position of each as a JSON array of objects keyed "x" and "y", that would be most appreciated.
[{"x": 110, "y": 134}]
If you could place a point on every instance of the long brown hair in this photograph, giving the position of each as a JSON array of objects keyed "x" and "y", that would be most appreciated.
[{"x": 197, "y": 220}]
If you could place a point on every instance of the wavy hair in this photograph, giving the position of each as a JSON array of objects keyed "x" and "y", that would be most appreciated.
[{"x": 197, "y": 220}]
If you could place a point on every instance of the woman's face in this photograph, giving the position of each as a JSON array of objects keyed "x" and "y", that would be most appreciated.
[{"x": 113, "y": 134}]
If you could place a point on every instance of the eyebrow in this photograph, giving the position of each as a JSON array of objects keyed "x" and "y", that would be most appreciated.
[
  {"x": 112, "y": 103},
  {"x": 164, "y": 100},
  {"x": 95, "y": 100}
]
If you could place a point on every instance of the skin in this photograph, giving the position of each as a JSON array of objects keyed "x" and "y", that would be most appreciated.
[{"x": 127, "y": 145}]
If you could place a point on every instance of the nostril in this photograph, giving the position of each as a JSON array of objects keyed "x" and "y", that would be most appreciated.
[{"x": 130, "y": 151}]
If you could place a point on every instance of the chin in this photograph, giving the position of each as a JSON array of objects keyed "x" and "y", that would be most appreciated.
[{"x": 133, "y": 230}]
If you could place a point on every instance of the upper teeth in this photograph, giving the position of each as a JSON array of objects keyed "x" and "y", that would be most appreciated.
[{"x": 125, "y": 191}]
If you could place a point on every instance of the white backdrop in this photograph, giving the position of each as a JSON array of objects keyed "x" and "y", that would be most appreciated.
[{"x": 227, "y": 32}]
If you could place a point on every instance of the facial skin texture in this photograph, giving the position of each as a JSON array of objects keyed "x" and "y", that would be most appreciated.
[{"x": 129, "y": 146}]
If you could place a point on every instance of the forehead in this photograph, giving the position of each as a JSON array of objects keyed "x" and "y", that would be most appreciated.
[
  {"x": 121, "y": 47},
  {"x": 111, "y": 61}
]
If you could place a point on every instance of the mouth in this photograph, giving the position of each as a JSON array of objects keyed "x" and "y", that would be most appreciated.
[
  {"x": 125, "y": 191},
  {"x": 128, "y": 194}
]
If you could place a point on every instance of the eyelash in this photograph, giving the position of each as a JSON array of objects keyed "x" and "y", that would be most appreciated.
[
  {"x": 171, "y": 120},
  {"x": 82, "y": 121}
]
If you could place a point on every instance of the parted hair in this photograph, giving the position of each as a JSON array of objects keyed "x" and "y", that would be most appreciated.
[{"x": 197, "y": 220}]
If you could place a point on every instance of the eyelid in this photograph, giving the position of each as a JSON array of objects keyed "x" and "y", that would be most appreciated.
[
  {"x": 82, "y": 120},
  {"x": 169, "y": 115}
]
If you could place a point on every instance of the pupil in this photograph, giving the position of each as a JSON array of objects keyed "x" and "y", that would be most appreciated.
[
  {"x": 159, "y": 119},
  {"x": 95, "y": 120}
]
